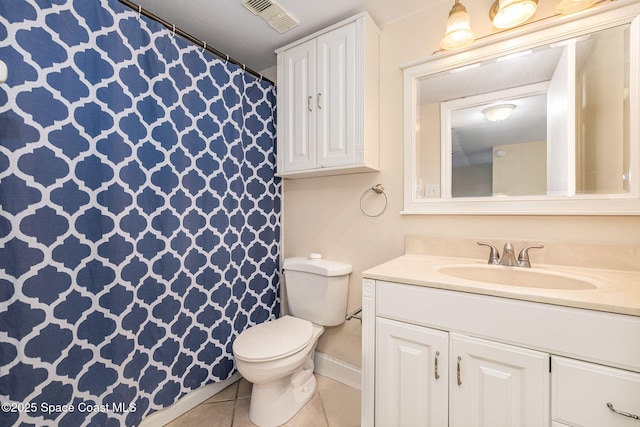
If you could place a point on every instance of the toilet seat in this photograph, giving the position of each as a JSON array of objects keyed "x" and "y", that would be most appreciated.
[{"x": 273, "y": 340}]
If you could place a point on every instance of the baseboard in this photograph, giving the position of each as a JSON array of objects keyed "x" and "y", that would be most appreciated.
[
  {"x": 337, "y": 370},
  {"x": 187, "y": 402}
]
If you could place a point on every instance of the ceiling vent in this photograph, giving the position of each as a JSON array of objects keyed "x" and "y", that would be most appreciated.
[{"x": 278, "y": 18}]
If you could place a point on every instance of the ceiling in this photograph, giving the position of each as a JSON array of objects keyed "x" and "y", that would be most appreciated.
[{"x": 232, "y": 29}]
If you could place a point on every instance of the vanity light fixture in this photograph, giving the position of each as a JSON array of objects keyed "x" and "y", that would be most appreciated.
[
  {"x": 497, "y": 113},
  {"x": 511, "y": 13},
  {"x": 458, "y": 32},
  {"x": 570, "y": 6}
]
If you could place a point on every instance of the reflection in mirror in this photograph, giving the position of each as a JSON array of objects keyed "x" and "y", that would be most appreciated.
[
  {"x": 567, "y": 134},
  {"x": 499, "y": 156}
]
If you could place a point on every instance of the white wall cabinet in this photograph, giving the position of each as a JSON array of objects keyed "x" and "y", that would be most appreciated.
[
  {"x": 328, "y": 101},
  {"x": 501, "y": 362}
]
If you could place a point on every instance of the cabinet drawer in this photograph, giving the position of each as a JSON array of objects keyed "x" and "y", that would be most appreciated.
[{"x": 581, "y": 391}]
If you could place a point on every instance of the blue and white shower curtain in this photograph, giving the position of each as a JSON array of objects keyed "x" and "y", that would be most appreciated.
[{"x": 139, "y": 214}]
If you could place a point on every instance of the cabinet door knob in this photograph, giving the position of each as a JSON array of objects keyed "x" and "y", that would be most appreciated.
[
  {"x": 309, "y": 103},
  {"x": 624, "y": 414},
  {"x": 459, "y": 374},
  {"x": 437, "y": 375}
]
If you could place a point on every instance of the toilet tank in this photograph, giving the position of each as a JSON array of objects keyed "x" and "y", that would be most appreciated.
[{"x": 316, "y": 289}]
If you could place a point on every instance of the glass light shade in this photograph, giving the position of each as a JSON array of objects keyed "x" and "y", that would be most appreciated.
[
  {"x": 511, "y": 13},
  {"x": 571, "y": 6},
  {"x": 497, "y": 113},
  {"x": 458, "y": 32}
]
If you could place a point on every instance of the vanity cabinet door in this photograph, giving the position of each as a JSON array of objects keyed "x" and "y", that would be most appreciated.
[
  {"x": 411, "y": 375},
  {"x": 494, "y": 384},
  {"x": 581, "y": 391}
]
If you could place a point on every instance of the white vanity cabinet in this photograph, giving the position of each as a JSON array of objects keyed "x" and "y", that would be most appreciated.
[
  {"x": 500, "y": 361},
  {"x": 419, "y": 369},
  {"x": 328, "y": 101}
]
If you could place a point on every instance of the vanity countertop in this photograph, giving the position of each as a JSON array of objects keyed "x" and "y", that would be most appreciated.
[{"x": 616, "y": 291}]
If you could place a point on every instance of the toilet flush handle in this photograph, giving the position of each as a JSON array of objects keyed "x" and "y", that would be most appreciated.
[{"x": 314, "y": 256}]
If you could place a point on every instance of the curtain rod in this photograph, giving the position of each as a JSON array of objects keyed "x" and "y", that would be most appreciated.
[{"x": 192, "y": 39}]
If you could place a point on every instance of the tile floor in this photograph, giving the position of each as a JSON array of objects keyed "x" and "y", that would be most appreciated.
[{"x": 334, "y": 405}]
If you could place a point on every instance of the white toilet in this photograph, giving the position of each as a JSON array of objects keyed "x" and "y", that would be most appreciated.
[{"x": 277, "y": 356}]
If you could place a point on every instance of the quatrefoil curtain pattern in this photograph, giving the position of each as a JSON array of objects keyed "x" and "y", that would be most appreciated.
[{"x": 139, "y": 213}]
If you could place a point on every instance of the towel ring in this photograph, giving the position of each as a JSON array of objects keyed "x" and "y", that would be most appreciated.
[{"x": 378, "y": 189}]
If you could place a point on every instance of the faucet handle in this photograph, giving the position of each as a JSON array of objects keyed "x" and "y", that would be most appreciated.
[
  {"x": 523, "y": 256},
  {"x": 494, "y": 256}
]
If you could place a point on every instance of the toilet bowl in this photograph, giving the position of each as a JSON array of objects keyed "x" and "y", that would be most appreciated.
[{"x": 277, "y": 357}]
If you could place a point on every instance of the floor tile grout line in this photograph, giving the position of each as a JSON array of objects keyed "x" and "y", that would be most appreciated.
[
  {"x": 324, "y": 409},
  {"x": 233, "y": 414}
]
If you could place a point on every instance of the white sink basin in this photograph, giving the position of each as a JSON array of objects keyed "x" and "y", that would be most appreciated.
[{"x": 517, "y": 276}]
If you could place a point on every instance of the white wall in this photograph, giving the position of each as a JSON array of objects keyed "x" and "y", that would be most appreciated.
[{"x": 323, "y": 214}]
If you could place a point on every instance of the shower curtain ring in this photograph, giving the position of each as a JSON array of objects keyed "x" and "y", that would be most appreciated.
[
  {"x": 173, "y": 30},
  {"x": 260, "y": 77},
  {"x": 139, "y": 11},
  {"x": 204, "y": 46},
  {"x": 227, "y": 60}
]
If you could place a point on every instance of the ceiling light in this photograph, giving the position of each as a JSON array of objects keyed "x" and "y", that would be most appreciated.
[
  {"x": 458, "y": 32},
  {"x": 511, "y": 13},
  {"x": 497, "y": 113},
  {"x": 571, "y": 6}
]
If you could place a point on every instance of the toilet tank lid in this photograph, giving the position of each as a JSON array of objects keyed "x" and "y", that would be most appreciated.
[{"x": 316, "y": 265}]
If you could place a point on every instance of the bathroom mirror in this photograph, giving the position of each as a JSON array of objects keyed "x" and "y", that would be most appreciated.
[{"x": 545, "y": 121}]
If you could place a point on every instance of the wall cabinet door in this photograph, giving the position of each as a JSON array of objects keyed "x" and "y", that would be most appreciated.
[
  {"x": 411, "y": 375},
  {"x": 319, "y": 94},
  {"x": 297, "y": 129},
  {"x": 336, "y": 97},
  {"x": 494, "y": 384}
]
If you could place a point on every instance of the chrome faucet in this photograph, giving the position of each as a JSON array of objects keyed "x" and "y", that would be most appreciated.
[{"x": 508, "y": 255}]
